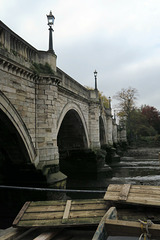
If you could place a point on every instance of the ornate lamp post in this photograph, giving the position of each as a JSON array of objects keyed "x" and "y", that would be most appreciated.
[
  {"x": 110, "y": 102},
  {"x": 95, "y": 76},
  {"x": 51, "y": 19}
]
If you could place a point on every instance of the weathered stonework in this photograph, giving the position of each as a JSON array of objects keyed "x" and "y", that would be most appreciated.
[{"x": 41, "y": 106}]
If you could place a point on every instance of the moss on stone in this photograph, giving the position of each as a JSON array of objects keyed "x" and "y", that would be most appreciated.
[{"x": 42, "y": 68}]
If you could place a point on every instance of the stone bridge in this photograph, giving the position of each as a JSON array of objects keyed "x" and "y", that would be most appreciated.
[{"x": 44, "y": 112}]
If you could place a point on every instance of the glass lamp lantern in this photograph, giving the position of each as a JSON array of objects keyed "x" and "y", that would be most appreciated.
[
  {"x": 95, "y": 76},
  {"x": 50, "y": 18},
  {"x": 95, "y": 73}
]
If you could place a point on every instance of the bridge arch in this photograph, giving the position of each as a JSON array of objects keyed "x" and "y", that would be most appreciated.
[
  {"x": 11, "y": 117},
  {"x": 72, "y": 124}
]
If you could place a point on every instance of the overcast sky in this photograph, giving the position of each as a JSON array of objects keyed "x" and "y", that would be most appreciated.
[{"x": 118, "y": 38}]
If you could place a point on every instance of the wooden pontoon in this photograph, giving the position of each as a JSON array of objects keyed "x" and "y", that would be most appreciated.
[
  {"x": 126, "y": 210},
  {"x": 137, "y": 213},
  {"x": 58, "y": 220},
  {"x": 61, "y": 213},
  {"x": 134, "y": 194}
]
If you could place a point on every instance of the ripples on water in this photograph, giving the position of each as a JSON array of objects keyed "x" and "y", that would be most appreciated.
[{"x": 142, "y": 169}]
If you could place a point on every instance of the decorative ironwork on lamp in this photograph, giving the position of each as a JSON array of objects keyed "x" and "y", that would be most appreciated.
[{"x": 51, "y": 19}]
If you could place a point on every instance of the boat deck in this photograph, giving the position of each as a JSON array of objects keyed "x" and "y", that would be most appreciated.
[
  {"x": 61, "y": 213},
  {"x": 134, "y": 194},
  {"x": 78, "y": 219}
]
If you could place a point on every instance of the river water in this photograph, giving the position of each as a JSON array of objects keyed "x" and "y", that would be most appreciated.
[{"x": 137, "y": 166}]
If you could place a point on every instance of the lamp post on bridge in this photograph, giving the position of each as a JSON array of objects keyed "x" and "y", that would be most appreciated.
[
  {"x": 95, "y": 76},
  {"x": 51, "y": 19}
]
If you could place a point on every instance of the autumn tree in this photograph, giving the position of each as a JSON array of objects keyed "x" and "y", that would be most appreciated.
[
  {"x": 152, "y": 116},
  {"x": 139, "y": 124},
  {"x": 104, "y": 100},
  {"x": 126, "y": 104}
]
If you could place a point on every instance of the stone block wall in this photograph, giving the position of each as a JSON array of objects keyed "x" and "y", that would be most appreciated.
[
  {"x": 41, "y": 101},
  {"x": 20, "y": 91}
]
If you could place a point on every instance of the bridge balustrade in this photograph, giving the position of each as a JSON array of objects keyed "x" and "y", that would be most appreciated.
[{"x": 16, "y": 45}]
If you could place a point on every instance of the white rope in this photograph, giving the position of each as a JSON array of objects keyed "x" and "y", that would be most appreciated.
[
  {"x": 142, "y": 235},
  {"x": 146, "y": 225}
]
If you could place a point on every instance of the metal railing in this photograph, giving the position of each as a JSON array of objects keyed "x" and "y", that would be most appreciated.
[{"x": 51, "y": 189}]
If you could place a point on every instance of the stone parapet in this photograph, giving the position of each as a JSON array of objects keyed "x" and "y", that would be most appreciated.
[{"x": 16, "y": 48}]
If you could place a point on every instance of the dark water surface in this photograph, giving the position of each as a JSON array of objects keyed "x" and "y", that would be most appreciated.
[{"x": 137, "y": 166}]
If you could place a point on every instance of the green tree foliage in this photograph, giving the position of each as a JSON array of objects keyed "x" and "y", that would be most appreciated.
[
  {"x": 152, "y": 116},
  {"x": 140, "y": 122},
  {"x": 104, "y": 100},
  {"x": 139, "y": 125}
]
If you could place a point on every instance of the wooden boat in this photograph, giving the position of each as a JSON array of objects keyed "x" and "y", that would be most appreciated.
[
  {"x": 137, "y": 213},
  {"x": 111, "y": 225},
  {"x": 58, "y": 220},
  {"x": 126, "y": 210}
]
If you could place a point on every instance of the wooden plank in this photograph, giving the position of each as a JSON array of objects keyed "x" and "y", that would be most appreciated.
[
  {"x": 48, "y": 235},
  {"x": 129, "y": 228},
  {"x": 63, "y": 202},
  {"x": 124, "y": 192},
  {"x": 136, "y": 200},
  {"x": 59, "y": 215},
  {"x": 20, "y": 214},
  {"x": 135, "y": 188},
  {"x": 51, "y": 215},
  {"x": 115, "y": 195},
  {"x": 83, "y": 207},
  {"x": 43, "y": 215},
  {"x": 48, "y": 203},
  {"x": 67, "y": 209},
  {"x": 58, "y": 222},
  {"x": 86, "y": 214},
  {"x": 87, "y": 201},
  {"x": 55, "y": 208},
  {"x": 141, "y": 194},
  {"x": 8, "y": 234},
  {"x": 26, "y": 233},
  {"x": 132, "y": 195},
  {"x": 80, "y": 207}
]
